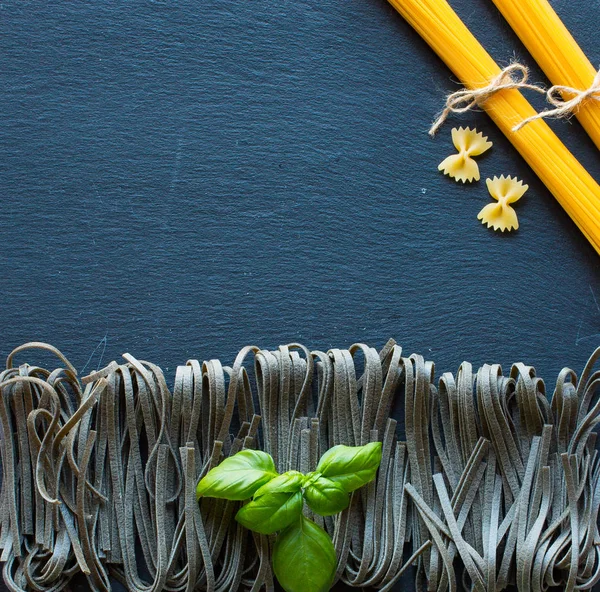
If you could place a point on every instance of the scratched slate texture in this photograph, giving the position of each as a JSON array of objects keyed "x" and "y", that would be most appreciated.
[{"x": 180, "y": 179}]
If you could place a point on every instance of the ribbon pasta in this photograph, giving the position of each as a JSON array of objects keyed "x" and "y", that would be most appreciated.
[{"x": 99, "y": 473}]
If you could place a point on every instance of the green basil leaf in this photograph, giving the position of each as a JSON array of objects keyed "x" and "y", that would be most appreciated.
[
  {"x": 351, "y": 466},
  {"x": 310, "y": 478},
  {"x": 271, "y": 512},
  {"x": 238, "y": 477},
  {"x": 289, "y": 482},
  {"x": 326, "y": 497},
  {"x": 304, "y": 558}
]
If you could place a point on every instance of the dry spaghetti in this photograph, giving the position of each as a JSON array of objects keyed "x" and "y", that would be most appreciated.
[
  {"x": 576, "y": 80},
  {"x": 490, "y": 482}
]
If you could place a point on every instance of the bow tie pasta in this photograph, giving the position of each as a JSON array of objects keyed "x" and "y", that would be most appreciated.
[
  {"x": 501, "y": 215},
  {"x": 469, "y": 143}
]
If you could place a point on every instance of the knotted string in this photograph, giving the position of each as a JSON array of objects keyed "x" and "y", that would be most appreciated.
[
  {"x": 513, "y": 76},
  {"x": 564, "y": 108}
]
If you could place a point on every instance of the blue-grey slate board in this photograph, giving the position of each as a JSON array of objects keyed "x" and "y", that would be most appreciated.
[{"x": 183, "y": 178}]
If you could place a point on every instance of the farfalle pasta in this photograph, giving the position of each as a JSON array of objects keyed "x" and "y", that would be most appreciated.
[
  {"x": 501, "y": 215},
  {"x": 469, "y": 143}
]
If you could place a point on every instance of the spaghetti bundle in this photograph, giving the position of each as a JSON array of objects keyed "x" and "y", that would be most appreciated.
[
  {"x": 563, "y": 175},
  {"x": 557, "y": 53},
  {"x": 488, "y": 482}
]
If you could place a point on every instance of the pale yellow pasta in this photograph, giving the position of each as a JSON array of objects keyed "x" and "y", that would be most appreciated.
[
  {"x": 501, "y": 215},
  {"x": 461, "y": 166}
]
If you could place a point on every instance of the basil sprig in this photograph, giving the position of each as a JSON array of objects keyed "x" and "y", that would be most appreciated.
[{"x": 304, "y": 558}]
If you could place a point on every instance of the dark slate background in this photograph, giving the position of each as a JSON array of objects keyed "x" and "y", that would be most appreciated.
[{"x": 180, "y": 179}]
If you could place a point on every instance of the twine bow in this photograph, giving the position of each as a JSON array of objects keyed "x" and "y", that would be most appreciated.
[
  {"x": 563, "y": 108},
  {"x": 513, "y": 76}
]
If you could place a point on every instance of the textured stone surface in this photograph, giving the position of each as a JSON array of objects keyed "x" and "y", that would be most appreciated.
[{"x": 180, "y": 179}]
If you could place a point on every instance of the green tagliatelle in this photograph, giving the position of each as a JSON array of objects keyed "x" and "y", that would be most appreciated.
[{"x": 488, "y": 484}]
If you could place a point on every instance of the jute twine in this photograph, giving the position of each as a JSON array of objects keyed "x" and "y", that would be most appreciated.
[
  {"x": 513, "y": 76},
  {"x": 564, "y": 108}
]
